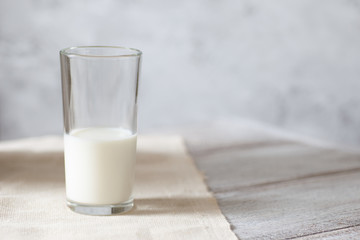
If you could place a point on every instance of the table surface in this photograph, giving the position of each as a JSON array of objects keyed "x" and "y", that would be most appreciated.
[{"x": 270, "y": 185}]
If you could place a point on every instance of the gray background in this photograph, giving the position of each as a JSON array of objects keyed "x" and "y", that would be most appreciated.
[{"x": 292, "y": 64}]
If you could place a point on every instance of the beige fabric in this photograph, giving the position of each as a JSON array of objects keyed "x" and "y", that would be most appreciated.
[{"x": 172, "y": 201}]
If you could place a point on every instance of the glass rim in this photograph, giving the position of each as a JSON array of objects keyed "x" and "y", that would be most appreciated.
[{"x": 66, "y": 52}]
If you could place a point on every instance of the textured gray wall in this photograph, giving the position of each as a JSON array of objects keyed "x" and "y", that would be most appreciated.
[{"x": 293, "y": 64}]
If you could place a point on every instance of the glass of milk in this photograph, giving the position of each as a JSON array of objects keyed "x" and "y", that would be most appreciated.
[{"x": 99, "y": 88}]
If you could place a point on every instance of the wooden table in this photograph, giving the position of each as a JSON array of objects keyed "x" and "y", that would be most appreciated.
[{"x": 273, "y": 186}]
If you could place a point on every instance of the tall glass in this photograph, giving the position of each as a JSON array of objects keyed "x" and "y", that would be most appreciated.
[{"x": 99, "y": 88}]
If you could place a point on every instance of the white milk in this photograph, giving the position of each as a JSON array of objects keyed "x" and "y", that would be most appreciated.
[{"x": 99, "y": 165}]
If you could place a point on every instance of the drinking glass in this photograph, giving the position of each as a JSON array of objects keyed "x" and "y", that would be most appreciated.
[{"x": 99, "y": 89}]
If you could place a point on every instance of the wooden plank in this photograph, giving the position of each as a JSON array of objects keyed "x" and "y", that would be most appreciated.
[
  {"x": 345, "y": 233},
  {"x": 238, "y": 168},
  {"x": 293, "y": 209},
  {"x": 271, "y": 187}
]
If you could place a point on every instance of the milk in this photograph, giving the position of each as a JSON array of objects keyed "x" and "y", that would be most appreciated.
[{"x": 99, "y": 165}]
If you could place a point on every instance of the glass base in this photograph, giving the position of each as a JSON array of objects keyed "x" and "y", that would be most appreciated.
[{"x": 101, "y": 210}]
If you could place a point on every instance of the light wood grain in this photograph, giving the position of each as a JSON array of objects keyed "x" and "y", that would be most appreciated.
[
  {"x": 235, "y": 169},
  {"x": 279, "y": 188},
  {"x": 343, "y": 233},
  {"x": 294, "y": 209}
]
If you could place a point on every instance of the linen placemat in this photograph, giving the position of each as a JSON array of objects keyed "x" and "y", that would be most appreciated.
[{"x": 171, "y": 198}]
